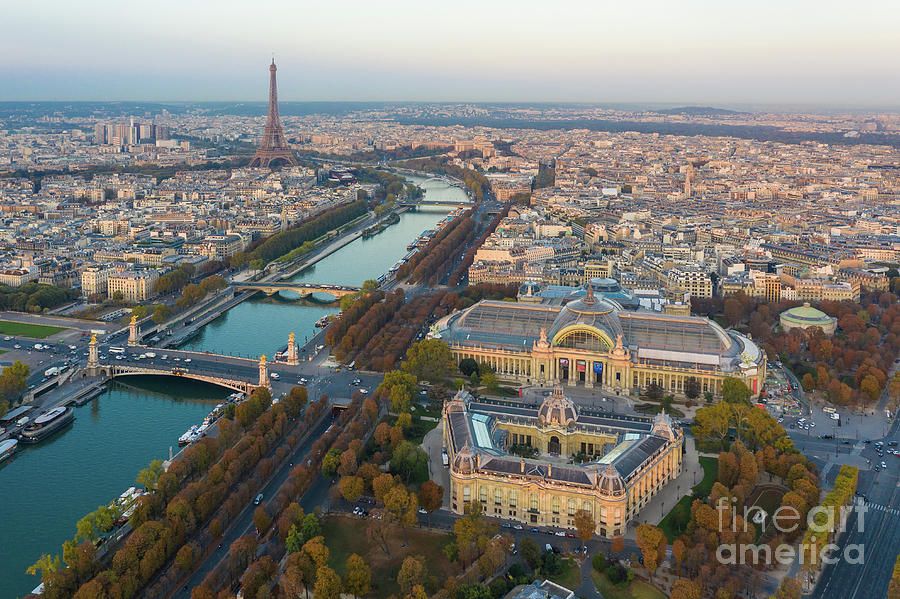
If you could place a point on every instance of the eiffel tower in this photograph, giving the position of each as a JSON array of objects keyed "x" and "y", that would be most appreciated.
[{"x": 273, "y": 150}]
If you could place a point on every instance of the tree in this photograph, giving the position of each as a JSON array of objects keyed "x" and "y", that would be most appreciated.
[
  {"x": 489, "y": 380},
  {"x": 655, "y": 391},
  {"x": 410, "y": 461},
  {"x": 294, "y": 541},
  {"x": 310, "y": 527},
  {"x": 686, "y": 589},
  {"x": 692, "y": 387},
  {"x": 791, "y": 589},
  {"x": 261, "y": 519},
  {"x": 429, "y": 359},
  {"x": 296, "y": 577},
  {"x": 161, "y": 313},
  {"x": 328, "y": 584},
  {"x": 351, "y": 487},
  {"x": 651, "y": 541},
  {"x": 431, "y": 496},
  {"x": 530, "y": 551},
  {"x": 417, "y": 592},
  {"x": 149, "y": 476},
  {"x": 187, "y": 556},
  {"x": 316, "y": 549},
  {"x": 358, "y": 576},
  {"x": 735, "y": 391},
  {"x": 585, "y": 525},
  {"x": 468, "y": 366},
  {"x": 412, "y": 572}
]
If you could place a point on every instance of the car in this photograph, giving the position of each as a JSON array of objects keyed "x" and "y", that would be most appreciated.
[
  {"x": 423, "y": 510},
  {"x": 274, "y": 375},
  {"x": 258, "y": 499},
  {"x": 302, "y": 380},
  {"x": 533, "y": 529},
  {"x": 356, "y": 381},
  {"x": 883, "y": 464},
  {"x": 187, "y": 360},
  {"x": 892, "y": 444},
  {"x": 177, "y": 359},
  {"x": 570, "y": 535},
  {"x": 364, "y": 391},
  {"x": 17, "y": 346},
  {"x": 813, "y": 424},
  {"x": 7, "y": 338},
  {"x": 120, "y": 357},
  {"x": 518, "y": 527},
  {"x": 877, "y": 468},
  {"x": 560, "y": 533},
  {"x": 781, "y": 419}
]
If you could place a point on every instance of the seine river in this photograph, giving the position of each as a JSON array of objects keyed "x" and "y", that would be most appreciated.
[{"x": 45, "y": 489}]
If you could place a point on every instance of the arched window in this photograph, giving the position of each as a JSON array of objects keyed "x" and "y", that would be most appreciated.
[
  {"x": 586, "y": 506},
  {"x": 534, "y": 502},
  {"x": 555, "y": 505},
  {"x": 482, "y": 495},
  {"x": 571, "y": 507},
  {"x": 513, "y": 498},
  {"x": 583, "y": 340},
  {"x": 498, "y": 496},
  {"x": 467, "y": 494}
]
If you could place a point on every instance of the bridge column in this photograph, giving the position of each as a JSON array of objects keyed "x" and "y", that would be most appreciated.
[
  {"x": 293, "y": 357},
  {"x": 93, "y": 363},
  {"x": 133, "y": 333},
  {"x": 264, "y": 373}
]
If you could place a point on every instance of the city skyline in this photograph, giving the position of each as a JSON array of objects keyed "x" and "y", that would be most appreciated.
[{"x": 703, "y": 54}]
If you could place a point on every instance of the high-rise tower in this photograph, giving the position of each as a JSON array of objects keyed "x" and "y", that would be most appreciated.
[{"x": 273, "y": 149}]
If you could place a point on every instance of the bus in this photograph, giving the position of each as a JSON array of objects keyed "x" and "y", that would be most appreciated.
[
  {"x": 117, "y": 350},
  {"x": 829, "y": 410}
]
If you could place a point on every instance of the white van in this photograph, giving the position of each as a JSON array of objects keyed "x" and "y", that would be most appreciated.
[{"x": 117, "y": 350}]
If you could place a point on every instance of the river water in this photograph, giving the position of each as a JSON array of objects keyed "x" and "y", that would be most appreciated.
[
  {"x": 261, "y": 325},
  {"x": 46, "y": 488}
]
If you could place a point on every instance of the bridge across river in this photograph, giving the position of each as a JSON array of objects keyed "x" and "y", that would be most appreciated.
[{"x": 301, "y": 289}]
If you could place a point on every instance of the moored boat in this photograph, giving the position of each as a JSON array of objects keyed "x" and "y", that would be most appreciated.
[
  {"x": 47, "y": 424},
  {"x": 7, "y": 448}
]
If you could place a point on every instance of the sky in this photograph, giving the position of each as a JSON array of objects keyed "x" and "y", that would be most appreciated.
[{"x": 722, "y": 52}]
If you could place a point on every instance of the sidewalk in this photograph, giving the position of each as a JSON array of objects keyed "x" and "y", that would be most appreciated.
[{"x": 665, "y": 500}]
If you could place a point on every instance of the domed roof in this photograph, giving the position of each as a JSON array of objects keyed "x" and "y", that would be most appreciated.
[
  {"x": 558, "y": 409},
  {"x": 610, "y": 482},
  {"x": 465, "y": 461},
  {"x": 600, "y": 313},
  {"x": 806, "y": 314},
  {"x": 663, "y": 427}
]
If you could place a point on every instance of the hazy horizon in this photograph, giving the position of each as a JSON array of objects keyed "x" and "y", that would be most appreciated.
[{"x": 812, "y": 54}]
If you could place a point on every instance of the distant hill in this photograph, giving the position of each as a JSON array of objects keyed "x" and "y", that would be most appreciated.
[{"x": 698, "y": 111}]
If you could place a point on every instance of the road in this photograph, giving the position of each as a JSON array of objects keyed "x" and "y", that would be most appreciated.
[
  {"x": 243, "y": 523},
  {"x": 876, "y": 531}
]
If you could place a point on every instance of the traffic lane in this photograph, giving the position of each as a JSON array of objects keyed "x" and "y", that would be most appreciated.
[
  {"x": 880, "y": 528},
  {"x": 243, "y": 523}
]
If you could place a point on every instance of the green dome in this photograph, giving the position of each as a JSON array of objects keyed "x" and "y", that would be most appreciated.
[{"x": 806, "y": 314}]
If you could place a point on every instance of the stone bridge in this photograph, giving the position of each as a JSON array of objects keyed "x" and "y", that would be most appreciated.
[
  {"x": 115, "y": 371},
  {"x": 301, "y": 289}
]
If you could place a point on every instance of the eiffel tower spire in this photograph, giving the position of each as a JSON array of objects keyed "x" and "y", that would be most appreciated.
[{"x": 273, "y": 149}]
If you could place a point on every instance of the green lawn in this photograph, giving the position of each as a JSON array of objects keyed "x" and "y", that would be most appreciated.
[
  {"x": 676, "y": 520},
  {"x": 710, "y": 472},
  {"x": 34, "y": 331},
  {"x": 637, "y": 589},
  {"x": 570, "y": 577},
  {"x": 346, "y": 535}
]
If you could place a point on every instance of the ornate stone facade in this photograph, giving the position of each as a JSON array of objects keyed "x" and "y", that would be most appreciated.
[{"x": 628, "y": 461}]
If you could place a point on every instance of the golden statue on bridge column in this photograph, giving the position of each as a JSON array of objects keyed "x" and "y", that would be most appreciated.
[
  {"x": 133, "y": 336},
  {"x": 263, "y": 372}
]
